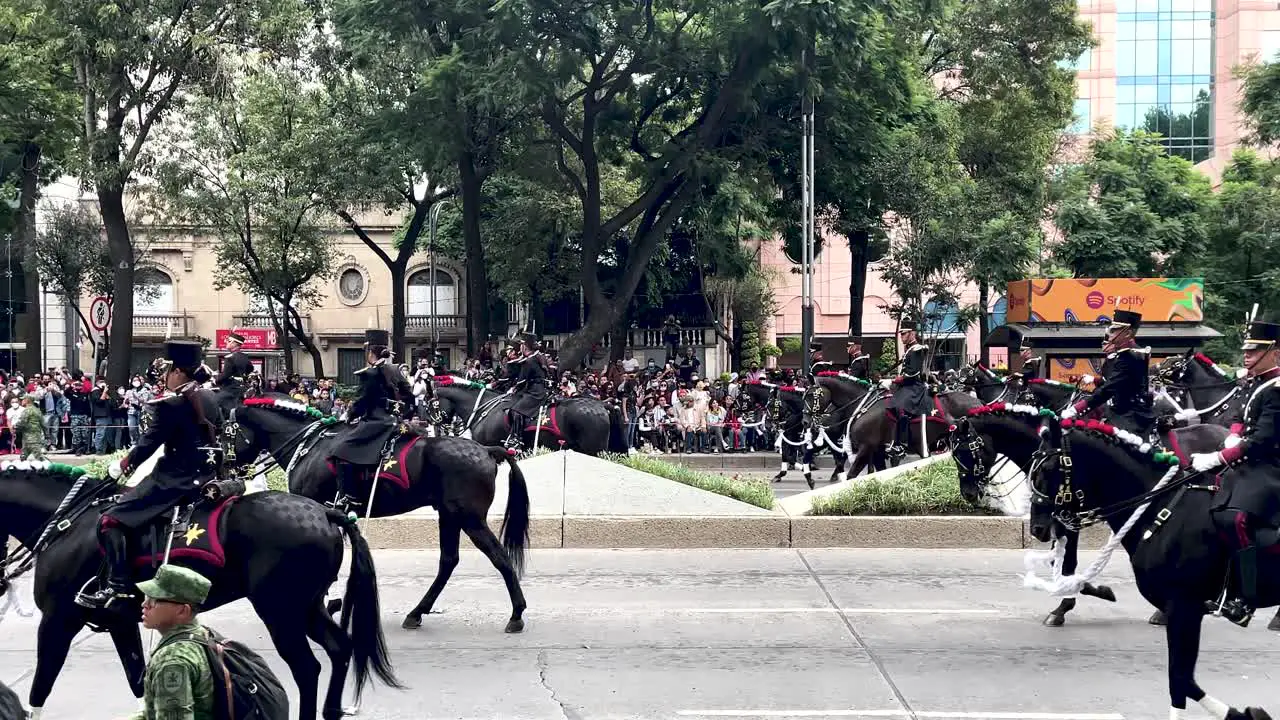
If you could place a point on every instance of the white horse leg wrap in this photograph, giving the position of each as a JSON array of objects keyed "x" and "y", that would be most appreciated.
[
  {"x": 784, "y": 466},
  {"x": 1215, "y": 707},
  {"x": 842, "y": 476},
  {"x": 35, "y": 713},
  {"x": 1176, "y": 714},
  {"x": 804, "y": 468}
]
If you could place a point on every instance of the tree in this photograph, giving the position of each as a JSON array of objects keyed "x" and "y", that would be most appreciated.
[
  {"x": 245, "y": 165},
  {"x": 1132, "y": 210},
  {"x": 132, "y": 60},
  {"x": 671, "y": 93},
  {"x": 1239, "y": 267}
]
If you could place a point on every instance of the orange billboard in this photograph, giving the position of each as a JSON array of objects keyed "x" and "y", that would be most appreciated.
[{"x": 1092, "y": 300}]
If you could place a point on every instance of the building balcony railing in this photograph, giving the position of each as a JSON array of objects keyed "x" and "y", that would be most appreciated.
[
  {"x": 175, "y": 325},
  {"x": 447, "y": 325},
  {"x": 256, "y": 320}
]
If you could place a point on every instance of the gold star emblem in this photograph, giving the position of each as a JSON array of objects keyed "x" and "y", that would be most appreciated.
[
  {"x": 391, "y": 463},
  {"x": 193, "y": 533}
]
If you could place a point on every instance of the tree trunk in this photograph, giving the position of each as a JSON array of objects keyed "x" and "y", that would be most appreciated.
[
  {"x": 984, "y": 298},
  {"x": 286, "y": 345},
  {"x": 27, "y": 324},
  {"x": 399, "y": 311},
  {"x": 477, "y": 275},
  {"x": 618, "y": 337},
  {"x": 294, "y": 322},
  {"x": 858, "y": 242},
  {"x": 120, "y": 250}
]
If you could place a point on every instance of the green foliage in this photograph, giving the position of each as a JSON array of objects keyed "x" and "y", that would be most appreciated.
[
  {"x": 931, "y": 490},
  {"x": 1260, "y": 101},
  {"x": 790, "y": 345},
  {"x": 888, "y": 358},
  {"x": 754, "y": 492},
  {"x": 1132, "y": 210}
]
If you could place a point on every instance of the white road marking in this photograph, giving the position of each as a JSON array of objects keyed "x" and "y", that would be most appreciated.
[
  {"x": 938, "y": 715},
  {"x": 846, "y": 611}
]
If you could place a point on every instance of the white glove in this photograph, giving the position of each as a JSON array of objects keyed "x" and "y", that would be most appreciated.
[
  {"x": 1202, "y": 462},
  {"x": 1231, "y": 441},
  {"x": 1068, "y": 413},
  {"x": 1187, "y": 416},
  {"x": 116, "y": 468}
]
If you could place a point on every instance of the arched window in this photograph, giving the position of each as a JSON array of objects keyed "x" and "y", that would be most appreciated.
[
  {"x": 153, "y": 292},
  {"x": 999, "y": 311},
  {"x": 941, "y": 319},
  {"x": 446, "y": 293}
]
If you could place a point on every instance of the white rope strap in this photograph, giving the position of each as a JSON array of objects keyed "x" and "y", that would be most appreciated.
[{"x": 1059, "y": 585}]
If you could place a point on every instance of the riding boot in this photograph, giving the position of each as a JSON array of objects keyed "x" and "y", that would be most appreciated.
[
  {"x": 516, "y": 421},
  {"x": 117, "y": 586},
  {"x": 901, "y": 435},
  {"x": 348, "y": 479},
  {"x": 1238, "y": 607}
]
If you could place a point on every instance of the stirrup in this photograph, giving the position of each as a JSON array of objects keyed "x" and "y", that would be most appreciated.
[
  {"x": 105, "y": 597},
  {"x": 1232, "y": 609}
]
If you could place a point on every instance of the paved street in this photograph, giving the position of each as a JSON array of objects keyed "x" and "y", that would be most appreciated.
[{"x": 741, "y": 633}]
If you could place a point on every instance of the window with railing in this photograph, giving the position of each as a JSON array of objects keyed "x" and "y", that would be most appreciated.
[
  {"x": 421, "y": 287},
  {"x": 154, "y": 293}
]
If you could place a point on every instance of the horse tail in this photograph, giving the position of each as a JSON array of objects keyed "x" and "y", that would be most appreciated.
[
  {"x": 360, "y": 613},
  {"x": 617, "y": 431},
  {"x": 515, "y": 520}
]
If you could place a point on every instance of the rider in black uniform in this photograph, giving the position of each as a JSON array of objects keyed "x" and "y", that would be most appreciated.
[
  {"x": 236, "y": 369},
  {"x": 859, "y": 362},
  {"x": 911, "y": 398},
  {"x": 1028, "y": 364},
  {"x": 1125, "y": 382},
  {"x": 383, "y": 396},
  {"x": 1248, "y": 508},
  {"x": 530, "y": 389},
  {"x": 183, "y": 425}
]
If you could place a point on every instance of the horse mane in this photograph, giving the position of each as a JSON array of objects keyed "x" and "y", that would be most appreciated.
[
  {"x": 291, "y": 407},
  {"x": 455, "y": 381},
  {"x": 841, "y": 375},
  {"x": 1135, "y": 446},
  {"x": 1212, "y": 366}
]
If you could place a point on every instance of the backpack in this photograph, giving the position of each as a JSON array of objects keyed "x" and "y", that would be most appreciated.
[{"x": 244, "y": 687}]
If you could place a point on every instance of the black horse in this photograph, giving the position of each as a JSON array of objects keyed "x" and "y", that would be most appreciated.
[
  {"x": 859, "y": 427},
  {"x": 1178, "y": 558},
  {"x": 784, "y": 406},
  {"x": 280, "y": 551},
  {"x": 983, "y": 382},
  {"x": 456, "y": 476},
  {"x": 586, "y": 425},
  {"x": 1196, "y": 384}
]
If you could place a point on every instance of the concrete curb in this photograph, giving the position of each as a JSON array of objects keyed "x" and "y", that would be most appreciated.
[
  {"x": 674, "y": 532},
  {"x": 802, "y": 503}
]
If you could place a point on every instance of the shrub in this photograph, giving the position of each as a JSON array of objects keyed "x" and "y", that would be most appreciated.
[
  {"x": 754, "y": 492},
  {"x": 932, "y": 490}
]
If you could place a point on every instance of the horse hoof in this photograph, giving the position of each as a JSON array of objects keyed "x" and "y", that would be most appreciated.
[
  {"x": 777, "y": 478},
  {"x": 1158, "y": 618},
  {"x": 809, "y": 480},
  {"x": 1053, "y": 620},
  {"x": 350, "y": 711},
  {"x": 1275, "y": 623},
  {"x": 1257, "y": 713},
  {"x": 516, "y": 625},
  {"x": 334, "y": 606},
  {"x": 411, "y": 622},
  {"x": 1104, "y": 592}
]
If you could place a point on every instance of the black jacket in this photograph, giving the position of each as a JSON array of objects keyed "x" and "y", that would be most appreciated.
[
  {"x": 1125, "y": 382},
  {"x": 380, "y": 384},
  {"x": 177, "y": 428},
  {"x": 860, "y": 366},
  {"x": 235, "y": 368},
  {"x": 1260, "y": 437},
  {"x": 913, "y": 365}
]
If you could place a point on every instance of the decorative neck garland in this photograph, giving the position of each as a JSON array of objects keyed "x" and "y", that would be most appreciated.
[
  {"x": 72, "y": 470},
  {"x": 765, "y": 383},
  {"x": 1051, "y": 383},
  {"x": 1204, "y": 359},
  {"x": 455, "y": 381},
  {"x": 1124, "y": 436},
  {"x": 293, "y": 408},
  {"x": 845, "y": 376},
  {"x": 1012, "y": 408}
]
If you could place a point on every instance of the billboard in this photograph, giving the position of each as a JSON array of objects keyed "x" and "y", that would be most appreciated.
[
  {"x": 1092, "y": 300},
  {"x": 254, "y": 339}
]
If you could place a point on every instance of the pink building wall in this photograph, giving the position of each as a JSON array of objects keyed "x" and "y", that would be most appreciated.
[{"x": 832, "y": 274}]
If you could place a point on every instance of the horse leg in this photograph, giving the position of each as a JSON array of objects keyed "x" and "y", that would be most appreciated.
[
  {"x": 840, "y": 471},
  {"x": 782, "y": 472},
  {"x": 128, "y": 642},
  {"x": 484, "y": 539},
  {"x": 289, "y": 635},
  {"x": 52, "y": 645},
  {"x": 328, "y": 635},
  {"x": 1070, "y": 560},
  {"x": 450, "y": 536},
  {"x": 1275, "y": 622},
  {"x": 1182, "y": 634},
  {"x": 806, "y": 466}
]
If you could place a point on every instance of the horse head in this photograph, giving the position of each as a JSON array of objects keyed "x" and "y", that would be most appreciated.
[
  {"x": 273, "y": 423},
  {"x": 974, "y": 456}
]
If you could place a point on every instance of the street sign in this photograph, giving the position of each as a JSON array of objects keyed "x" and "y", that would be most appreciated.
[{"x": 100, "y": 313}]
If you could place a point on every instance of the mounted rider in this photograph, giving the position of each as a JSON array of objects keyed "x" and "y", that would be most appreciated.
[
  {"x": 192, "y": 456},
  {"x": 819, "y": 362},
  {"x": 911, "y": 398},
  {"x": 859, "y": 362},
  {"x": 1125, "y": 384},
  {"x": 1248, "y": 508},
  {"x": 530, "y": 389},
  {"x": 236, "y": 369},
  {"x": 373, "y": 418},
  {"x": 1027, "y": 367}
]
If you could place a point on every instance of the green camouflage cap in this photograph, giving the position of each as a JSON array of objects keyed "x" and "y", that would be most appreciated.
[{"x": 178, "y": 584}]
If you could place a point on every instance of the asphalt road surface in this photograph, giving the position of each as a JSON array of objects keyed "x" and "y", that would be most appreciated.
[{"x": 748, "y": 633}]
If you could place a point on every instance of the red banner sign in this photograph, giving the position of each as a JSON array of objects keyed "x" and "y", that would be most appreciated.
[{"x": 254, "y": 339}]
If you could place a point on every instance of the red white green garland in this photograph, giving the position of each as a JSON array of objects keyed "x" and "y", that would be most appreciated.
[
  {"x": 455, "y": 381},
  {"x": 292, "y": 407}
]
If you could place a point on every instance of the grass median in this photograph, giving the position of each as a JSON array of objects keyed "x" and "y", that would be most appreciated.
[
  {"x": 753, "y": 492},
  {"x": 932, "y": 490}
]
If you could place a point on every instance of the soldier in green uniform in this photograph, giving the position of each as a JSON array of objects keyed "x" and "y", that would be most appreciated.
[{"x": 179, "y": 683}]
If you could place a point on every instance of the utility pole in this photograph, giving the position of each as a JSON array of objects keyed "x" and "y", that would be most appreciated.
[{"x": 806, "y": 209}]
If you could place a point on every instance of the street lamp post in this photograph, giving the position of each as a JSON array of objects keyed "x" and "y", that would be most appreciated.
[{"x": 806, "y": 211}]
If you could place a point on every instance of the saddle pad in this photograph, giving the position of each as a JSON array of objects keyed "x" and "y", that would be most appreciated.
[
  {"x": 395, "y": 469},
  {"x": 199, "y": 546}
]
